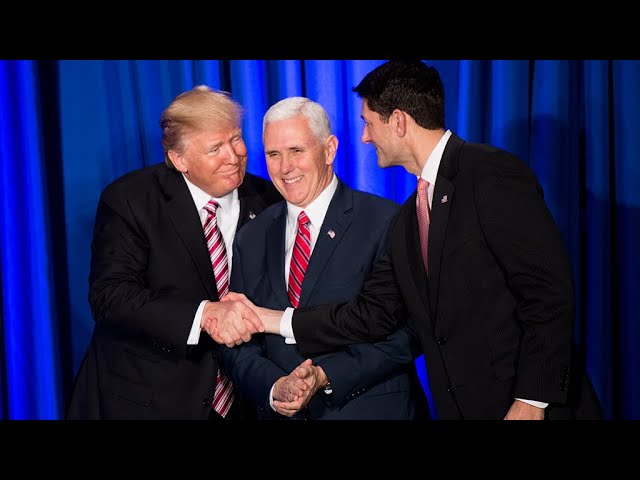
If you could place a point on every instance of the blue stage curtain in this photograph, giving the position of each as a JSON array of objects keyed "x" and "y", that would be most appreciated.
[
  {"x": 574, "y": 122},
  {"x": 30, "y": 362}
]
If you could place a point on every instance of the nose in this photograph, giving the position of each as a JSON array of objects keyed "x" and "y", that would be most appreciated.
[
  {"x": 287, "y": 164},
  {"x": 234, "y": 154},
  {"x": 365, "y": 138}
]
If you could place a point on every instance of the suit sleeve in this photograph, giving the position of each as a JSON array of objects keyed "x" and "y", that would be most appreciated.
[
  {"x": 373, "y": 314},
  {"x": 526, "y": 243},
  {"x": 120, "y": 298},
  {"x": 356, "y": 368}
]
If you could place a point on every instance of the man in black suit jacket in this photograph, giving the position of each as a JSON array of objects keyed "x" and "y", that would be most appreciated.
[
  {"x": 495, "y": 305},
  {"x": 152, "y": 288}
]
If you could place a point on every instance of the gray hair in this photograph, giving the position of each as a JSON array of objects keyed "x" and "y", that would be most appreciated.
[{"x": 294, "y": 106}]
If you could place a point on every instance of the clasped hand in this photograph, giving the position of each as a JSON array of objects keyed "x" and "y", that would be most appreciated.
[
  {"x": 230, "y": 322},
  {"x": 293, "y": 392}
]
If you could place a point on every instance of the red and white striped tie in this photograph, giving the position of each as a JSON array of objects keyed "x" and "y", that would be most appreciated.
[
  {"x": 299, "y": 258},
  {"x": 223, "y": 395}
]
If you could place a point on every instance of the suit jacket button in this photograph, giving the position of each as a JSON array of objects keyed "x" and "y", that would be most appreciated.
[
  {"x": 213, "y": 354},
  {"x": 442, "y": 341},
  {"x": 449, "y": 389},
  {"x": 206, "y": 401}
]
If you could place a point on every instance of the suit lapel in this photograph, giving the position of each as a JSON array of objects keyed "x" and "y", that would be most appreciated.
[
  {"x": 442, "y": 197},
  {"x": 440, "y": 207},
  {"x": 251, "y": 203},
  {"x": 185, "y": 220},
  {"x": 413, "y": 252},
  {"x": 338, "y": 218},
  {"x": 275, "y": 240}
]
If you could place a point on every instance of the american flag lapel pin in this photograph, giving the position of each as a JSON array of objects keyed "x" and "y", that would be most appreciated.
[
  {"x": 252, "y": 215},
  {"x": 444, "y": 199},
  {"x": 331, "y": 233}
]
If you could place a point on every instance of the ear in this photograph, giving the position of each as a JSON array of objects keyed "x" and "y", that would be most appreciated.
[
  {"x": 178, "y": 161},
  {"x": 399, "y": 122},
  {"x": 330, "y": 149}
]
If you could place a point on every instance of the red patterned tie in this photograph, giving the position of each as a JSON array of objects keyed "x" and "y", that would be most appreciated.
[
  {"x": 223, "y": 395},
  {"x": 299, "y": 258},
  {"x": 422, "y": 207}
]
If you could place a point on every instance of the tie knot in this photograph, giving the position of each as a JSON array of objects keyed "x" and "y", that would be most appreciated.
[
  {"x": 303, "y": 219},
  {"x": 211, "y": 206},
  {"x": 422, "y": 184}
]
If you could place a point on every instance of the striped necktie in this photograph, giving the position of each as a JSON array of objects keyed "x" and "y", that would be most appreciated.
[
  {"x": 299, "y": 258},
  {"x": 223, "y": 394}
]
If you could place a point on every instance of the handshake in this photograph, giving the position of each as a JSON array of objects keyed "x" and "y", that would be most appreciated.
[{"x": 233, "y": 319}]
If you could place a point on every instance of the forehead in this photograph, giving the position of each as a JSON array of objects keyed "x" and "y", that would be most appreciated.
[
  {"x": 212, "y": 135},
  {"x": 366, "y": 113},
  {"x": 288, "y": 131}
]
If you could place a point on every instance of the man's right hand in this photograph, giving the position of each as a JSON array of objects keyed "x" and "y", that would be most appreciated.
[
  {"x": 270, "y": 319},
  {"x": 230, "y": 322}
]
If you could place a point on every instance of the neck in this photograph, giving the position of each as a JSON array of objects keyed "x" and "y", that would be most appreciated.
[{"x": 424, "y": 144}]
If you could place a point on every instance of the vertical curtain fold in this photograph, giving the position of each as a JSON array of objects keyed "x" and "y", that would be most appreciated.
[{"x": 31, "y": 363}]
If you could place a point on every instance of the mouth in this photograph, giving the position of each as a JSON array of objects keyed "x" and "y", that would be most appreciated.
[
  {"x": 290, "y": 181},
  {"x": 232, "y": 171}
]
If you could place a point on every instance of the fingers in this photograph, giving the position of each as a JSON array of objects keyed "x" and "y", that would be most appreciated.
[
  {"x": 238, "y": 297},
  {"x": 251, "y": 321},
  {"x": 230, "y": 322},
  {"x": 285, "y": 408}
]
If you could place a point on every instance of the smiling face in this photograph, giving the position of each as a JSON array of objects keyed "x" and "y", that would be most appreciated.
[
  {"x": 380, "y": 135},
  {"x": 213, "y": 160},
  {"x": 299, "y": 164}
]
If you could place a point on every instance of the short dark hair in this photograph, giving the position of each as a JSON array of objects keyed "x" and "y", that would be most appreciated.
[{"x": 408, "y": 85}]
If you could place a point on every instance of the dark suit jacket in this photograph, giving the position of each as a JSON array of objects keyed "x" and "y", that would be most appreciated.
[
  {"x": 369, "y": 381},
  {"x": 495, "y": 315},
  {"x": 150, "y": 270}
]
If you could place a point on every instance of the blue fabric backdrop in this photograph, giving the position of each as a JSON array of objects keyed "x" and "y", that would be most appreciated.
[{"x": 68, "y": 128}]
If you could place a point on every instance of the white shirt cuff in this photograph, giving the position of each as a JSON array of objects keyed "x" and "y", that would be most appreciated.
[
  {"x": 286, "y": 326},
  {"x": 534, "y": 403},
  {"x": 271, "y": 398},
  {"x": 194, "y": 334}
]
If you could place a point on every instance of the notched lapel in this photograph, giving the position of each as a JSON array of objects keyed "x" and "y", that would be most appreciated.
[
  {"x": 335, "y": 224},
  {"x": 275, "y": 240},
  {"x": 185, "y": 220},
  {"x": 442, "y": 199},
  {"x": 413, "y": 255}
]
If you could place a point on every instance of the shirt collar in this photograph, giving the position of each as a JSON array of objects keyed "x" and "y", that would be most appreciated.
[
  {"x": 317, "y": 209},
  {"x": 430, "y": 170},
  {"x": 201, "y": 198}
]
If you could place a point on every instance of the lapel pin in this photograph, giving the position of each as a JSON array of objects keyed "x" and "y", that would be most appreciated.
[
  {"x": 444, "y": 199},
  {"x": 331, "y": 233},
  {"x": 252, "y": 215}
]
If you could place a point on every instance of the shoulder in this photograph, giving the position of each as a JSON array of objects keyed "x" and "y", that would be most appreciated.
[
  {"x": 138, "y": 180},
  {"x": 366, "y": 202},
  {"x": 478, "y": 158},
  {"x": 262, "y": 187},
  {"x": 257, "y": 227}
]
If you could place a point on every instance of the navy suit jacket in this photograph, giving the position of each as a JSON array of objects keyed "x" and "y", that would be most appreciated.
[{"x": 369, "y": 380}]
